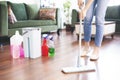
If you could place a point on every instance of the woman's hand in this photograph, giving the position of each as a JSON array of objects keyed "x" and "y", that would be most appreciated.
[
  {"x": 82, "y": 14},
  {"x": 84, "y": 8},
  {"x": 80, "y": 3}
]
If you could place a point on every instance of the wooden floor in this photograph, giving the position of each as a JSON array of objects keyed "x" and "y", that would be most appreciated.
[{"x": 49, "y": 68}]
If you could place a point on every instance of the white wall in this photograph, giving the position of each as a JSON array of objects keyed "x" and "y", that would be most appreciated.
[
  {"x": 23, "y": 1},
  {"x": 114, "y": 2},
  {"x": 26, "y": 1}
]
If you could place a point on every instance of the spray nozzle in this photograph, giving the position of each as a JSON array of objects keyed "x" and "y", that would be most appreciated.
[{"x": 45, "y": 36}]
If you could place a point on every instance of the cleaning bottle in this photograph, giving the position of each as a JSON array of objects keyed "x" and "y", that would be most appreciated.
[
  {"x": 21, "y": 51},
  {"x": 51, "y": 46},
  {"x": 45, "y": 48},
  {"x": 15, "y": 45}
]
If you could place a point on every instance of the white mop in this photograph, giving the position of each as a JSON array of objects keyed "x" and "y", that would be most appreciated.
[{"x": 79, "y": 67}]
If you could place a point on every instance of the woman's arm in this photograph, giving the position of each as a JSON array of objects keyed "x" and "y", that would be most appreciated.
[
  {"x": 80, "y": 3},
  {"x": 84, "y": 10},
  {"x": 87, "y": 5}
]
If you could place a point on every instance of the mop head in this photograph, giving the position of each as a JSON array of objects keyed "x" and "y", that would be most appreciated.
[{"x": 78, "y": 69}]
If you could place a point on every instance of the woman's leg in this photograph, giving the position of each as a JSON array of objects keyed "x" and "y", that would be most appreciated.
[
  {"x": 100, "y": 14},
  {"x": 87, "y": 28},
  {"x": 88, "y": 22}
]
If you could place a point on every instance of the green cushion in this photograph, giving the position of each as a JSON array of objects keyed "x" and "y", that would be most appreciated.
[
  {"x": 19, "y": 10},
  {"x": 112, "y": 12},
  {"x": 75, "y": 17},
  {"x": 32, "y": 23},
  {"x": 32, "y": 11}
]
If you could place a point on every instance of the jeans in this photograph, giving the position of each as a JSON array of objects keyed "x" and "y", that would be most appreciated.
[{"x": 97, "y": 9}]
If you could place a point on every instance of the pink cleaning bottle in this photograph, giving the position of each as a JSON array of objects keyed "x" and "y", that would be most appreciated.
[{"x": 15, "y": 45}]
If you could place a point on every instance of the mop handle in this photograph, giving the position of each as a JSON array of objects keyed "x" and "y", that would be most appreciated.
[
  {"x": 80, "y": 32},
  {"x": 80, "y": 35},
  {"x": 80, "y": 38}
]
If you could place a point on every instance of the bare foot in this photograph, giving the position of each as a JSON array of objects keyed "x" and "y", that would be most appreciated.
[
  {"x": 85, "y": 51},
  {"x": 95, "y": 54}
]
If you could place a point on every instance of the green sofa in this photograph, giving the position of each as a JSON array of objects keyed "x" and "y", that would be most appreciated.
[
  {"x": 112, "y": 14},
  {"x": 26, "y": 15}
]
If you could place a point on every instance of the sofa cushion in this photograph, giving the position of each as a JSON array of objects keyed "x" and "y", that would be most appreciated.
[
  {"x": 19, "y": 10},
  {"x": 47, "y": 13},
  {"x": 32, "y": 23},
  {"x": 112, "y": 13},
  {"x": 32, "y": 11}
]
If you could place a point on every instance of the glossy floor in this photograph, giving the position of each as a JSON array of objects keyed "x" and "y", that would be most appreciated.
[{"x": 66, "y": 48}]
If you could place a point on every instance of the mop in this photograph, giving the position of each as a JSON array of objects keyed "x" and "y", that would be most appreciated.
[{"x": 79, "y": 68}]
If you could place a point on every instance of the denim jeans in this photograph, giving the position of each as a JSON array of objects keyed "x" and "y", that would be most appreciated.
[{"x": 97, "y": 9}]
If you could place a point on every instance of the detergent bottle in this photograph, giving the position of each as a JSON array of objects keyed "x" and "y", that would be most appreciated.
[{"x": 15, "y": 45}]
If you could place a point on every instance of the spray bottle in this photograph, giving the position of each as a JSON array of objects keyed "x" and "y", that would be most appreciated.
[
  {"x": 51, "y": 46},
  {"x": 45, "y": 48}
]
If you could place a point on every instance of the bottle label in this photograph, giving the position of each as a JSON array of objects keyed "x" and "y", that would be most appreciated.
[
  {"x": 15, "y": 51},
  {"x": 51, "y": 51}
]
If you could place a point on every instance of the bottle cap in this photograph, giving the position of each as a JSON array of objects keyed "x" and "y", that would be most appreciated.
[{"x": 16, "y": 39}]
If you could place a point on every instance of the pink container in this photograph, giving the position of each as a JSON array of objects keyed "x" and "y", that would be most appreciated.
[
  {"x": 16, "y": 45},
  {"x": 21, "y": 52},
  {"x": 15, "y": 51}
]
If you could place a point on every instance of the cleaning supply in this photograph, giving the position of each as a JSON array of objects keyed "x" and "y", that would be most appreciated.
[
  {"x": 15, "y": 44},
  {"x": 51, "y": 46},
  {"x": 32, "y": 42},
  {"x": 79, "y": 67},
  {"x": 45, "y": 48},
  {"x": 21, "y": 51}
]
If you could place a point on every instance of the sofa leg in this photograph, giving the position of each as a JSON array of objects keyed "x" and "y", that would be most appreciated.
[
  {"x": 58, "y": 32},
  {"x": 112, "y": 36},
  {"x": 72, "y": 29},
  {"x": 77, "y": 36}
]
